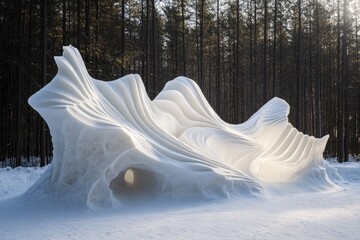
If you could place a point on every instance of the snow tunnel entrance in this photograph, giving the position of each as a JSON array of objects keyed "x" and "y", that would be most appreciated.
[{"x": 134, "y": 182}]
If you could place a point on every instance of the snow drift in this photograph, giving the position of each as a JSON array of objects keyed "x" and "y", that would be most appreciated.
[{"x": 112, "y": 144}]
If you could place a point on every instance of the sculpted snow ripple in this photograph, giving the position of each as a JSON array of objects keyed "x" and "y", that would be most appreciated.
[{"x": 112, "y": 144}]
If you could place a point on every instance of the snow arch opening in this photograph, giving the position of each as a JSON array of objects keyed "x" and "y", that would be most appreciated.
[{"x": 134, "y": 182}]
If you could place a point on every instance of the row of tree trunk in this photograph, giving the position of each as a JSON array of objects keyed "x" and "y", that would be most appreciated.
[{"x": 241, "y": 53}]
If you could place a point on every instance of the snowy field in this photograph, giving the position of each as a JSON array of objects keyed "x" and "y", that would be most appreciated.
[{"x": 309, "y": 215}]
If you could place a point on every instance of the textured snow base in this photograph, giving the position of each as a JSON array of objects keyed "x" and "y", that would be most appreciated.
[
  {"x": 305, "y": 215},
  {"x": 113, "y": 145}
]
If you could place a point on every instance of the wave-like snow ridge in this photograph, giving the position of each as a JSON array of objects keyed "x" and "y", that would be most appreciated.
[{"x": 113, "y": 144}]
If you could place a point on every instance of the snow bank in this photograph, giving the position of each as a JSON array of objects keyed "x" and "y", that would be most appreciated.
[
  {"x": 18, "y": 180},
  {"x": 349, "y": 171},
  {"x": 112, "y": 144}
]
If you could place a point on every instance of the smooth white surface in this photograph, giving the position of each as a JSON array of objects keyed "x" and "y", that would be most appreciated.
[{"x": 176, "y": 145}]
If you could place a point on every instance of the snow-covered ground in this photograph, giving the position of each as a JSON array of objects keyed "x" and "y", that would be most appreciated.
[
  {"x": 306, "y": 215},
  {"x": 16, "y": 181},
  {"x": 127, "y": 167}
]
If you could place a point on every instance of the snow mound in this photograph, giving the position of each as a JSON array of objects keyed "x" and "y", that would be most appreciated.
[
  {"x": 112, "y": 144},
  {"x": 17, "y": 180},
  {"x": 349, "y": 171}
]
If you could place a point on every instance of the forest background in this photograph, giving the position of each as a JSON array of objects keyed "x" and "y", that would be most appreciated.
[{"x": 241, "y": 53}]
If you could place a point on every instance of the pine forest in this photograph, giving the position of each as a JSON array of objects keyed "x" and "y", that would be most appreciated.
[{"x": 241, "y": 53}]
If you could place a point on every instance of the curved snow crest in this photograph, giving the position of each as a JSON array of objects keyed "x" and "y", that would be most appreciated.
[{"x": 113, "y": 144}]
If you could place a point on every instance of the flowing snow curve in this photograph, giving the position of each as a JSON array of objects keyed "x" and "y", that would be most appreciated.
[{"x": 113, "y": 144}]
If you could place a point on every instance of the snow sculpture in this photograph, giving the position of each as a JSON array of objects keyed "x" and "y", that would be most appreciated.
[{"x": 113, "y": 144}]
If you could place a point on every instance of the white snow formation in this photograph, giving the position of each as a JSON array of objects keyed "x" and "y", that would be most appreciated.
[{"x": 112, "y": 144}]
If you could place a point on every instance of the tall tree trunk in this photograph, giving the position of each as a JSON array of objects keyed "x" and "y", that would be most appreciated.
[
  {"x": 311, "y": 91},
  {"x": 357, "y": 108},
  {"x": 345, "y": 83},
  {"x": 237, "y": 64},
  {"x": 78, "y": 11},
  {"x": 197, "y": 40},
  {"x": 153, "y": 50},
  {"x": 318, "y": 80},
  {"x": 218, "y": 94},
  {"x": 29, "y": 139},
  {"x": 147, "y": 70},
  {"x": 183, "y": 37},
  {"x": 143, "y": 43},
  {"x": 87, "y": 31},
  {"x": 122, "y": 36},
  {"x": 43, "y": 74},
  {"x": 202, "y": 85},
  {"x": 298, "y": 71},
  {"x": 274, "y": 50},
  {"x": 251, "y": 50},
  {"x": 265, "y": 55},
  {"x": 19, "y": 86},
  {"x": 340, "y": 126},
  {"x": 96, "y": 38},
  {"x": 256, "y": 96},
  {"x": 63, "y": 22}
]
